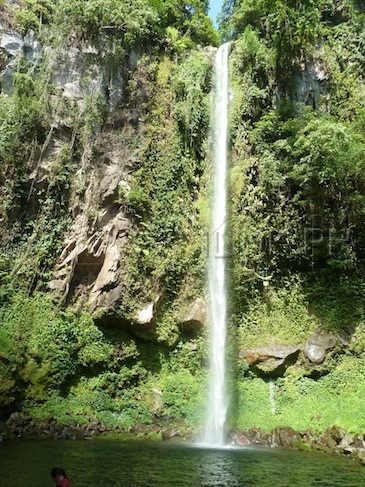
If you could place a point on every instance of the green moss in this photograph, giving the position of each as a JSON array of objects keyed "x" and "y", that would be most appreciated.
[
  {"x": 303, "y": 403},
  {"x": 279, "y": 315},
  {"x": 183, "y": 398}
]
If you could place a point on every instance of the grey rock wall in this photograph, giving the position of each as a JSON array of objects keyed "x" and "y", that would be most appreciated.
[
  {"x": 13, "y": 46},
  {"x": 89, "y": 267}
]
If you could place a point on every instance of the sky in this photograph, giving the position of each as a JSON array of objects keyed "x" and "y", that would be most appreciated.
[{"x": 214, "y": 9}]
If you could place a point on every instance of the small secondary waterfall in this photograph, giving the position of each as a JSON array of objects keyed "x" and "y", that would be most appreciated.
[{"x": 217, "y": 407}]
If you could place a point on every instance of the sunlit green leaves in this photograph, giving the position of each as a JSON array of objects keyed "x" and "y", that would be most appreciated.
[{"x": 192, "y": 84}]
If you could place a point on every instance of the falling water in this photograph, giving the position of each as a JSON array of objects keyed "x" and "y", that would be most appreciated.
[{"x": 217, "y": 408}]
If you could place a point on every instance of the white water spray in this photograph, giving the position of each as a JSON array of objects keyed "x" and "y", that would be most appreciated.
[{"x": 217, "y": 407}]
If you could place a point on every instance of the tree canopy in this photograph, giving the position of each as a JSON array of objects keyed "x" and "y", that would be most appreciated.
[{"x": 136, "y": 23}]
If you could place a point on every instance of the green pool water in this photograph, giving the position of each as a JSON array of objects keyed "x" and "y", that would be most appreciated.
[{"x": 105, "y": 463}]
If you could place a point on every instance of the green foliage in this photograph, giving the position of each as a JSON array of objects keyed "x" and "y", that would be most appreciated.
[
  {"x": 62, "y": 365},
  {"x": 329, "y": 152},
  {"x": 253, "y": 405},
  {"x": 167, "y": 330},
  {"x": 57, "y": 362},
  {"x": 133, "y": 23},
  {"x": 189, "y": 19},
  {"x": 166, "y": 184},
  {"x": 252, "y": 53},
  {"x": 297, "y": 191},
  {"x": 359, "y": 337},
  {"x": 183, "y": 398},
  {"x": 280, "y": 315},
  {"x": 192, "y": 84},
  {"x": 303, "y": 403},
  {"x": 290, "y": 29},
  {"x": 175, "y": 41},
  {"x": 21, "y": 123},
  {"x": 337, "y": 299},
  {"x": 187, "y": 357},
  {"x": 8, "y": 359},
  {"x": 93, "y": 349},
  {"x": 7, "y": 345},
  {"x": 297, "y": 207},
  {"x": 305, "y": 174},
  {"x": 32, "y": 13},
  {"x": 34, "y": 217},
  {"x": 48, "y": 344},
  {"x": 201, "y": 30},
  {"x": 93, "y": 115}
]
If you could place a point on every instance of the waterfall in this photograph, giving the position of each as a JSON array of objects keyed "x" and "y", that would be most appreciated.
[{"x": 217, "y": 406}]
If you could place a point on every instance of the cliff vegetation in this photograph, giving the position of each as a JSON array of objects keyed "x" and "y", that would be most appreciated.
[{"x": 105, "y": 172}]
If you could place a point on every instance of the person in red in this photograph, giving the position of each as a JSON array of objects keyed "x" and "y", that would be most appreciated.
[{"x": 59, "y": 476}]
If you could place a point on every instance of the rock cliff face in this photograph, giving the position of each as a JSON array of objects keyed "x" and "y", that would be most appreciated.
[
  {"x": 89, "y": 266},
  {"x": 12, "y": 46},
  {"x": 310, "y": 83},
  {"x": 98, "y": 105},
  {"x": 90, "y": 263}
]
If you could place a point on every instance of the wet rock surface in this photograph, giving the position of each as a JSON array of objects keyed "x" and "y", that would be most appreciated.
[
  {"x": 334, "y": 440},
  {"x": 23, "y": 425}
]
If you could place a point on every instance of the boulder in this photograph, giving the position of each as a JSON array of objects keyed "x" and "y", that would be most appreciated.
[
  {"x": 287, "y": 438},
  {"x": 253, "y": 436},
  {"x": 145, "y": 315},
  {"x": 157, "y": 401},
  {"x": 325, "y": 444},
  {"x": 358, "y": 441},
  {"x": 4, "y": 428},
  {"x": 70, "y": 433},
  {"x": 346, "y": 441},
  {"x": 4, "y": 358},
  {"x": 169, "y": 433},
  {"x": 336, "y": 433},
  {"x": 194, "y": 319},
  {"x": 144, "y": 324},
  {"x": 356, "y": 453},
  {"x": 238, "y": 437},
  {"x": 317, "y": 345},
  {"x": 270, "y": 358}
]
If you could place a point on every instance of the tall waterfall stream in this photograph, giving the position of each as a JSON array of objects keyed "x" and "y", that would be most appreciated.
[{"x": 217, "y": 407}]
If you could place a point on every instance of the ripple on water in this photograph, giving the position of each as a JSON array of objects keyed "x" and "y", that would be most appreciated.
[{"x": 106, "y": 463}]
